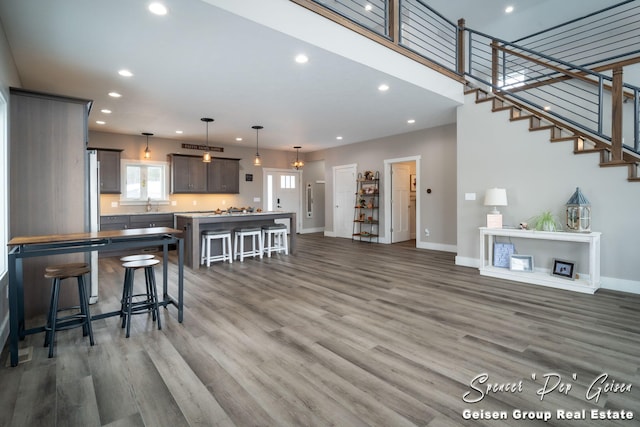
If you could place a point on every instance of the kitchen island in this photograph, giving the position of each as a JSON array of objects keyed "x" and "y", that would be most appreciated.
[{"x": 193, "y": 224}]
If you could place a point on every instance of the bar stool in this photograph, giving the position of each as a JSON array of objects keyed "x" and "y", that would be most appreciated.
[
  {"x": 254, "y": 233},
  {"x": 129, "y": 258},
  {"x": 142, "y": 302},
  {"x": 207, "y": 240},
  {"x": 54, "y": 323},
  {"x": 274, "y": 237}
]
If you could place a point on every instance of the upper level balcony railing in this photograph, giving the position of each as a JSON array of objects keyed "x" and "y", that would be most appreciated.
[{"x": 597, "y": 104}]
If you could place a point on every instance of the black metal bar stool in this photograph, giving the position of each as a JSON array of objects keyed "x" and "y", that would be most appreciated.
[
  {"x": 83, "y": 318},
  {"x": 142, "y": 302},
  {"x": 129, "y": 258}
]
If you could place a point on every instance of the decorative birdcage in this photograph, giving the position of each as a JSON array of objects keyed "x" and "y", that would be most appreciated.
[{"x": 578, "y": 212}]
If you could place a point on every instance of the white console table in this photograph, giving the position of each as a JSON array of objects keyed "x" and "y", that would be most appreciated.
[{"x": 586, "y": 285}]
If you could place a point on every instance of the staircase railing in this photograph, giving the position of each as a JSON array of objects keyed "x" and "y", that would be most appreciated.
[
  {"x": 603, "y": 37},
  {"x": 597, "y": 104}
]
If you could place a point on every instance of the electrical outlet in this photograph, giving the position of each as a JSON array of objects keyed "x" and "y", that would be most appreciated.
[
  {"x": 114, "y": 204},
  {"x": 195, "y": 202},
  {"x": 256, "y": 199},
  {"x": 174, "y": 202}
]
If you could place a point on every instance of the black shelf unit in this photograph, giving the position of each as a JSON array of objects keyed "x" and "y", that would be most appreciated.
[{"x": 366, "y": 217}]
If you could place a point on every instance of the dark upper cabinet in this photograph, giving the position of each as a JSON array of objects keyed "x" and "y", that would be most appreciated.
[
  {"x": 109, "y": 171},
  {"x": 188, "y": 174},
  {"x": 224, "y": 176}
]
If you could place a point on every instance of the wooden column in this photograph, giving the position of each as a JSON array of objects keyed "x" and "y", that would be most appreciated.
[
  {"x": 494, "y": 65},
  {"x": 461, "y": 46},
  {"x": 616, "y": 112}
]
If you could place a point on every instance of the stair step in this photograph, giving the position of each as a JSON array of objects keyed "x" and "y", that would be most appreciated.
[
  {"x": 634, "y": 179},
  {"x": 564, "y": 138},
  {"x": 545, "y": 127},
  {"x": 615, "y": 163},
  {"x": 589, "y": 150}
]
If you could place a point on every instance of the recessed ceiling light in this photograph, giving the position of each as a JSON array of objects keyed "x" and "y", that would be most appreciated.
[
  {"x": 158, "y": 9},
  {"x": 368, "y": 7},
  {"x": 339, "y": 138},
  {"x": 125, "y": 73},
  {"x": 114, "y": 94},
  {"x": 179, "y": 132},
  {"x": 101, "y": 122},
  {"x": 302, "y": 59},
  {"x": 238, "y": 139},
  {"x": 411, "y": 121},
  {"x": 105, "y": 111},
  {"x": 547, "y": 108},
  {"x": 383, "y": 88},
  {"x": 509, "y": 9}
]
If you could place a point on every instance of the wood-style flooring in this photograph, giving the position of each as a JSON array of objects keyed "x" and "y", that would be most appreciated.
[{"x": 344, "y": 334}]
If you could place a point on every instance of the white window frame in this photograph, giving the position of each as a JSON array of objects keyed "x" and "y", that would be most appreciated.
[{"x": 124, "y": 163}]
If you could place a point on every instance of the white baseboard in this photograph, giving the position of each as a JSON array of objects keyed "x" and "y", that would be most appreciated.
[
  {"x": 468, "y": 262},
  {"x": 437, "y": 247},
  {"x": 311, "y": 230},
  {"x": 329, "y": 234}
]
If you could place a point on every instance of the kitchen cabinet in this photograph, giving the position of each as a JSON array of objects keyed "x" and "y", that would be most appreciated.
[
  {"x": 223, "y": 176},
  {"x": 151, "y": 220},
  {"x": 109, "y": 171},
  {"x": 114, "y": 222},
  {"x": 188, "y": 174}
]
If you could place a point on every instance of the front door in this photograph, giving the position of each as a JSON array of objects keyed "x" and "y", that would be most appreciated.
[{"x": 283, "y": 193}]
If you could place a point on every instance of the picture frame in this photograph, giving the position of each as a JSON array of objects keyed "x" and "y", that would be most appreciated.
[
  {"x": 521, "y": 263},
  {"x": 412, "y": 182},
  {"x": 563, "y": 268}
]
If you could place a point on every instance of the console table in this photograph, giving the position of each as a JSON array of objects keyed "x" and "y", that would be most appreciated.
[{"x": 584, "y": 284}]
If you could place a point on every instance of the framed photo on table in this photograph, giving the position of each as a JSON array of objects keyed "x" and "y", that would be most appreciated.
[
  {"x": 564, "y": 269},
  {"x": 521, "y": 263}
]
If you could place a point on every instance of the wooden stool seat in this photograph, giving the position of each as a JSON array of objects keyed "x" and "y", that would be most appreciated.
[
  {"x": 208, "y": 237},
  {"x": 256, "y": 248},
  {"x": 58, "y": 273},
  {"x": 139, "y": 303}
]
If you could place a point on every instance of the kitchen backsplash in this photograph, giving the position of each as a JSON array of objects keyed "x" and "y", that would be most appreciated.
[{"x": 110, "y": 203}]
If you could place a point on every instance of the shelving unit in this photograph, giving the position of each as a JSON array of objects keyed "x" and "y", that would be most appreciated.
[
  {"x": 585, "y": 284},
  {"x": 367, "y": 206}
]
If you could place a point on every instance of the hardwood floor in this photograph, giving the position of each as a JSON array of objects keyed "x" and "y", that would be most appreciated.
[{"x": 341, "y": 333}]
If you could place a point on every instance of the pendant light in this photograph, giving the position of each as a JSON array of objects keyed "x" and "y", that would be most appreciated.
[
  {"x": 257, "y": 161},
  {"x": 206, "y": 157},
  {"x": 298, "y": 164},
  {"x": 147, "y": 152}
]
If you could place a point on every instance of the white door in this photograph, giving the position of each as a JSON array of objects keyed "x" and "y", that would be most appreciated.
[
  {"x": 283, "y": 193},
  {"x": 344, "y": 197},
  {"x": 400, "y": 203}
]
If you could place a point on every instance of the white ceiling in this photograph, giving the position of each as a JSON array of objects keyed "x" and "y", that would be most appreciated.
[{"x": 202, "y": 61}]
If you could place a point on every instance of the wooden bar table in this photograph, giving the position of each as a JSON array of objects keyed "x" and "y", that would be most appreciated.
[
  {"x": 34, "y": 246},
  {"x": 193, "y": 224}
]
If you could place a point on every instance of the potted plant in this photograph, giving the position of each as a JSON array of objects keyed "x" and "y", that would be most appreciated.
[{"x": 546, "y": 221}]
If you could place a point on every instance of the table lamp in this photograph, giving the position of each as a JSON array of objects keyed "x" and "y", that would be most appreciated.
[{"x": 495, "y": 197}]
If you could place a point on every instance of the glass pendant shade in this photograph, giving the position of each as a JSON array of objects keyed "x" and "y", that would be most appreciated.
[
  {"x": 206, "y": 157},
  {"x": 298, "y": 164},
  {"x": 257, "y": 161},
  {"x": 147, "y": 152}
]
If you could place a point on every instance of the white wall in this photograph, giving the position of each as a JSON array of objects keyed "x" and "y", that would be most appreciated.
[{"x": 538, "y": 176}]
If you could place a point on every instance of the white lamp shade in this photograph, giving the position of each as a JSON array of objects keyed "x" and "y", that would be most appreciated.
[{"x": 495, "y": 197}]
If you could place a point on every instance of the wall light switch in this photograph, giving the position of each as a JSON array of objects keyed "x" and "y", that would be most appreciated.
[
  {"x": 469, "y": 196},
  {"x": 114, "y": 204}
]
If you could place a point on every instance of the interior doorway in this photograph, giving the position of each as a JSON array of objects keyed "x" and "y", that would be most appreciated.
[
  {"x": 344, "y": 184},
  {"x": 403, "y": 204}
]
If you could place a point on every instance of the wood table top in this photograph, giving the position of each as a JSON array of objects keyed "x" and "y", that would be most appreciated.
[{"x": 107, "y": 234}]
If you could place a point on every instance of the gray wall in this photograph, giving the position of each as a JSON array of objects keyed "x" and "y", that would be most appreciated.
[
  {"x": 437, "y": 148},
  {"x": 8, "y": 78},
  {"x": 539, "y": 176}
]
